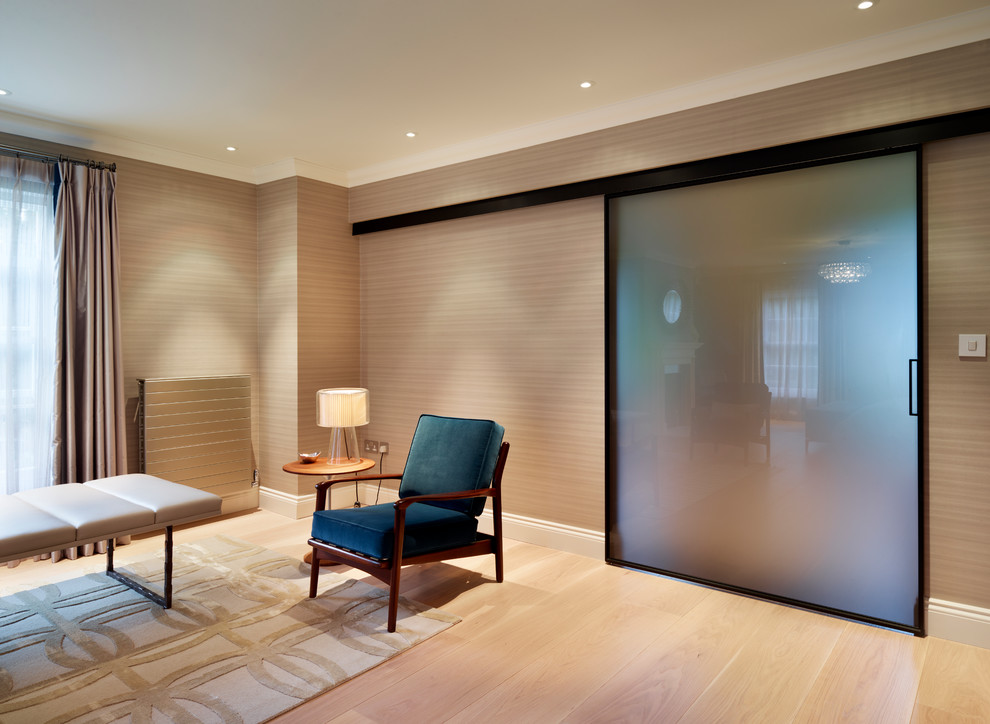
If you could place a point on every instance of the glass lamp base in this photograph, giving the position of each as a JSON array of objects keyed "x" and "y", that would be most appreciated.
[{"x": 343, "y": 448}]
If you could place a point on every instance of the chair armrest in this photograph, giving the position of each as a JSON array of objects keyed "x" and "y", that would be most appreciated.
[
  {"x": 324, "y": 485},
  {"x": 402, "y": 503}
]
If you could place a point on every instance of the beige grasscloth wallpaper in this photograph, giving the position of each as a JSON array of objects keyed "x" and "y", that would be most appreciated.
[
  {"x": 498, "y": 317},
  {"x": 189, "y": 280},
  {"x": 957, "y": 194},
  {"x": 309, "y": 323},
  {"x": 503, "y": 315}
]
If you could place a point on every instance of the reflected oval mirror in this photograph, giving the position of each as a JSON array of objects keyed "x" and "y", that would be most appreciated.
[{"x": 672, "y": 306}]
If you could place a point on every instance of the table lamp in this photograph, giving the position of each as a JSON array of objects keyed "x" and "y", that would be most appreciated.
[{"x": 342, "y": 409}]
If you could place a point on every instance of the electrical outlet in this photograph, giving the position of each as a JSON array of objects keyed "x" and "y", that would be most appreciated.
[
  {"x": 383, "y": 447},
  {"x": 371, "y": 446}
]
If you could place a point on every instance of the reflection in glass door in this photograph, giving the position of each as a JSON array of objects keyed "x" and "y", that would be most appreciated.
[{"x": 762, "y": 338}]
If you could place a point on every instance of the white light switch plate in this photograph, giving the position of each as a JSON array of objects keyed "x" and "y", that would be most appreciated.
[{"x": 972, "y": 345}]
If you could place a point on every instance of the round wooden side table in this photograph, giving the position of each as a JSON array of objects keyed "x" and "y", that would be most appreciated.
[{"x": 322, "y": 467}]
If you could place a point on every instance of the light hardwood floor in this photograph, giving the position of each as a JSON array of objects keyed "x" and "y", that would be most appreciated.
[{"x": 570, "y": 639}]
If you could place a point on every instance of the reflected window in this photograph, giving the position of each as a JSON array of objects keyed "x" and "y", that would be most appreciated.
[
  {"x": 672, "y": 306},
  {"x": 790, "y": 345}
]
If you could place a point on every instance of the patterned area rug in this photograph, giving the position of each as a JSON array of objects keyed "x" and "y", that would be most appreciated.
[{"x": 241, "y": 643}]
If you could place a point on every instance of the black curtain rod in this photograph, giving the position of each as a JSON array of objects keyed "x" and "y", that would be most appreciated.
[{"x": 48, "y": 158}]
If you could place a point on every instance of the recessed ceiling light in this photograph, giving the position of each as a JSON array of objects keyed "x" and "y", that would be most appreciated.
[
  {"x": 587, "y": 83},
  {"x": 411, "y": 134},
  {"x": 231, "y": 148},
  {"x": 4, "y": 92},
  {"x": 866, "y": 4}
]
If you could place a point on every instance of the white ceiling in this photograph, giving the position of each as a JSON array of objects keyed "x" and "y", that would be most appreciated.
[{"x": 328, "y": 88}]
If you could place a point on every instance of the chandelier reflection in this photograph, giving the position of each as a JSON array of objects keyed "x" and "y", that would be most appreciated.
[{"x": 844, "y": 272}]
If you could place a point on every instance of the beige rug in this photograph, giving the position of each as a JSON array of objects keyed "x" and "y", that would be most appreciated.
[{"x": 242, "y": 642}]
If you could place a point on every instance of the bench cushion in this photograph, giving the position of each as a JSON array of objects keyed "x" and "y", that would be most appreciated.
[
  {"x": 90, "y": 511},
  {"x": 23, "y": 527},
  {"x": 62, "y": 516},
  {"x": 170, "y": 502}
]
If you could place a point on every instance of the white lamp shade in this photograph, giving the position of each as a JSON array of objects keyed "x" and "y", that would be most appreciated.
[{"x": 342, "y": 407}]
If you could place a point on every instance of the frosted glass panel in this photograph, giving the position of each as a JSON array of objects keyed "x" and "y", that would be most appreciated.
[{"x": 761, "y": 438}]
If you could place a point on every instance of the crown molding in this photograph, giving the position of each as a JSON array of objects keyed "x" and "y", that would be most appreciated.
[
  {"x": 937, "y": 35},
  {"x": 97, "y": 143}
]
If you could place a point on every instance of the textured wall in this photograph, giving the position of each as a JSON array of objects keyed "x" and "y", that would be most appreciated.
[
  {"x": 497, "y": 317},
  {"x": 309, "y": 319},
  {"x": 957, "y": 180},
  {"x": 189, "y": 281},
  {"x": 278, "y": 325},
  {"x": 328, "y": 301}
]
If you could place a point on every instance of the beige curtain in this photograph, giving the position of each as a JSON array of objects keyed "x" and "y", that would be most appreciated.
[
  {"x": 751, "y": 304},
  {"x": 89, "y": 418}
]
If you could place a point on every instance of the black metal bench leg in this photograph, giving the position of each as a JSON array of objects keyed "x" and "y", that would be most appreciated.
[{"x": 163, "y": 601}]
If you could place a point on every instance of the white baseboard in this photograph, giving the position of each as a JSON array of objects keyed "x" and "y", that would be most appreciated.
[
  {"x": 302, "y": 506},
  {"x": 959, "y": 622},
  {"x": 567, "y": 538}
]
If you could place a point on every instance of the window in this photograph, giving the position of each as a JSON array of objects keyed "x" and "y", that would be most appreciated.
[
  {"x": 790, "y": 346},
  {"x": 28, "y": 319}
]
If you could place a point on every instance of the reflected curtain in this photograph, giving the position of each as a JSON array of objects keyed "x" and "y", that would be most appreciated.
[
  {"x": 790, "y": 345},
  {"x": 28, "y": 314},
  {"x": 752, "y": 340},
  {"x": 90, "y": 406}
]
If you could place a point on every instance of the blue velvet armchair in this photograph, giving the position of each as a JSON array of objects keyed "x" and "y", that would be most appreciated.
[{"x": 453, "y": 466}]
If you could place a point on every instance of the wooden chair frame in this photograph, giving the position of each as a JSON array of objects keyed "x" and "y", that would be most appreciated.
[{"x": 388, "y": 571}]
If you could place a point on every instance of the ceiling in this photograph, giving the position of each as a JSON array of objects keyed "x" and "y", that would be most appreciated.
[{"x": 329, "y": 88}]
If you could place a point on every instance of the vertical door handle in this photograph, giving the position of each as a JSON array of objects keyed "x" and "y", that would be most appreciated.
[{"x": 912, "y": 377}]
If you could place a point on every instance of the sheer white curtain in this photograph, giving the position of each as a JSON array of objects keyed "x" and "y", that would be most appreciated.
[
  {"x": 790, "y": 345},
  {"x": 28, "y": 316}
]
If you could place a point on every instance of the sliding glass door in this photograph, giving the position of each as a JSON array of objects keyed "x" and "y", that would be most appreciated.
[{"x": 763, "y": 431}]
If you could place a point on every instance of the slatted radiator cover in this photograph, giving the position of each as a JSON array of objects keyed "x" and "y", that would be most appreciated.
[{"x": 197, "y": 431}]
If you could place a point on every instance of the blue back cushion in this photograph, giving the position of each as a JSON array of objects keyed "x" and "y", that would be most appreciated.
[{"x": 450, "y": 454}]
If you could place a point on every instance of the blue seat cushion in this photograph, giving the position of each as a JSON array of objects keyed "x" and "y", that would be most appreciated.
[{"x": 368, "y": 530}]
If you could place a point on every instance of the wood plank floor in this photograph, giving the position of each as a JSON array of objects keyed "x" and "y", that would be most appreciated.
[{"x": 570, "y": 639}]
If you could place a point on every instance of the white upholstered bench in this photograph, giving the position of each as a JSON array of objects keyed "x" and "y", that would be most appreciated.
[{"x": 42, "y": 520}]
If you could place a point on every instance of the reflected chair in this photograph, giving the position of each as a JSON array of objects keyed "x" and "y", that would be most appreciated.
[
  {"x": 453, "y": 465},
  {"x": 734, "y": 414}
]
